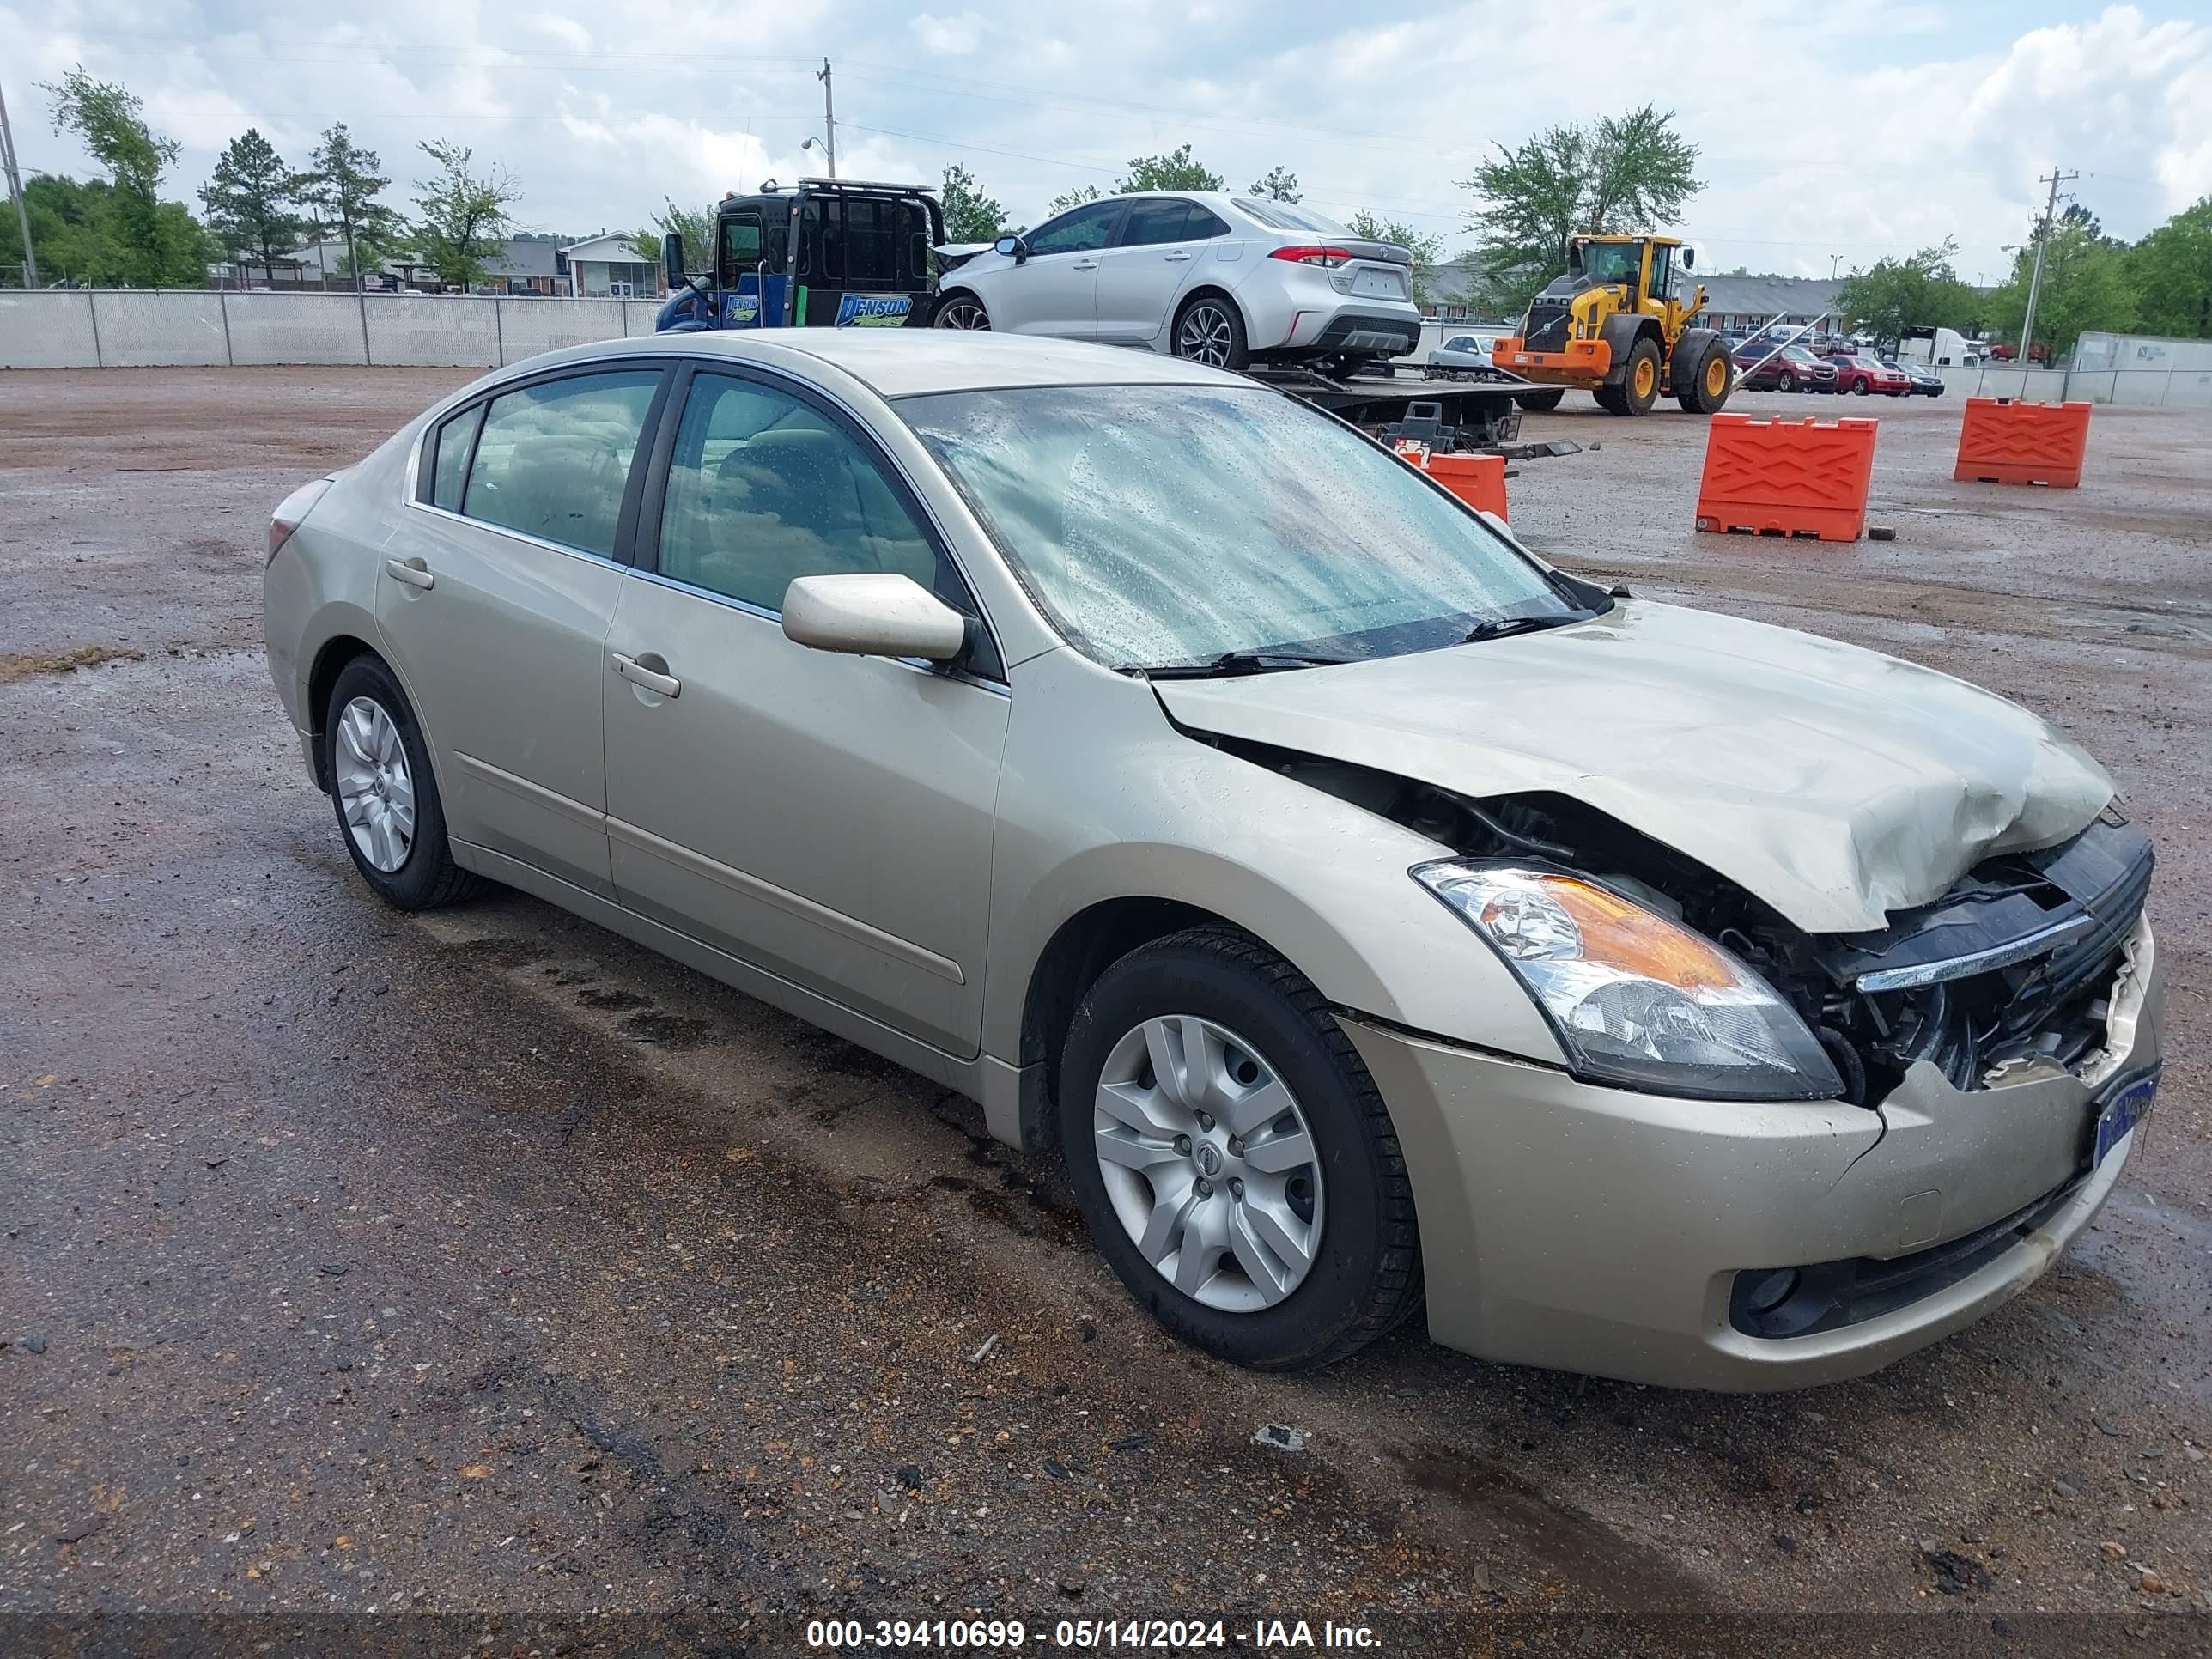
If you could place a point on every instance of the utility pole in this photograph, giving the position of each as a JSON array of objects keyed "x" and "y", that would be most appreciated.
[
  {"x": 1835, "y": 262},
  {"x": 2035, "y": 277},
  {"x": 15, "y": 190},
  {"x": 828, "y": 119}
]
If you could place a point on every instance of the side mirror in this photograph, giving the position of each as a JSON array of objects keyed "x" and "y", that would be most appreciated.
[
  {"x": 1013, "y": 246},
  {"x": 1689, "y": 258},
  {"x": 671, "y": 259},
  {"x": 870, "y": 615}
]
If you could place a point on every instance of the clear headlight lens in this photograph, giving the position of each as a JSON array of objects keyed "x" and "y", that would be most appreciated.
[{"x": 1637, "y": 998}]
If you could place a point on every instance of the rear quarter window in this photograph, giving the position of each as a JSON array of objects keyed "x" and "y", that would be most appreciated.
[{"x": 450, "y": 457}]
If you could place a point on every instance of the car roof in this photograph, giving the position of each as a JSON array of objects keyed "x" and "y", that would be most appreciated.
[{"x": 905, "y": 363}]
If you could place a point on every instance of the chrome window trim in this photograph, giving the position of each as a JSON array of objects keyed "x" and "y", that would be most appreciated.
[{"x": 522, "y": 536}]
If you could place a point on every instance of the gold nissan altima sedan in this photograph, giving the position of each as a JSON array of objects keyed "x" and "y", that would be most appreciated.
[{"x": 1377, "y": 918}]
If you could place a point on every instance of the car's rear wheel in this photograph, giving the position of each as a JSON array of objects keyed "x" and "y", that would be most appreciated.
[
  {"x": 1232, "y": 1156},
  {"x": 388, "y": 810},
  {"x": 1210, "y": 330},
  {"x": 1537, "y": 402},
  {"x": 960, "y": 310}
]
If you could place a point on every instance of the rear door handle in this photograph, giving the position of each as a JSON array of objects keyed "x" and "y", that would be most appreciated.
[
  {"x": 1177, "y": 257},
  {"x": 413, "y": 572},
  {"x": 650, "y": 672}
]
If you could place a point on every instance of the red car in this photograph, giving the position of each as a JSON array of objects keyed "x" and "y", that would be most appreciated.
[{"x": 1861, "y": 374}]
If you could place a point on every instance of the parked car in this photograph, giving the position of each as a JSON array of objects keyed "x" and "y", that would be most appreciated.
[
  {"x": 1218, "y": 279},
  {"x": 1791, "y": 370},
  {"x": 1922, "y": 380},
  {"x": 1368, "y": 911},
  {"x": 1463, "y": 351},
  {"x": 1861, "y": 374}
]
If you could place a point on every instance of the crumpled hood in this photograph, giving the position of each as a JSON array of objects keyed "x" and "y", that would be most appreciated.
[{"x": 1835, "y": 783}]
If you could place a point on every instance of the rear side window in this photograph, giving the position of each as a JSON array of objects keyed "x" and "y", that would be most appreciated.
[
  {"x": 554, "y": 458},
  {"x": 1153, "y": 222},
  {"x": 455, "y": 437}
]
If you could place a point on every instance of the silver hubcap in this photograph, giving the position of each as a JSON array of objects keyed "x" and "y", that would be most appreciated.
[
  {"x": 1208, "y": 1164},
  {"x": 376, "y": 789},
  {"x": 963, "y": 313},
  {"x": 1203, "y": 337}
]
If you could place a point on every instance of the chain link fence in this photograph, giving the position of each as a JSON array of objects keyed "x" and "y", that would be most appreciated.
[{"x": 181, "y": 328}]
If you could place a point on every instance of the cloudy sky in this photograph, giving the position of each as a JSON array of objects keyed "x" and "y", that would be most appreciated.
[{"x": 1853, "y": 128}]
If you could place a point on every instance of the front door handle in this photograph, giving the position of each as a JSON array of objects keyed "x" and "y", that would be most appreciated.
[
  {"x": 1084, "y": 265},
  {"x": 413, "y": 572},
  {"x": 649, "y": 671}
]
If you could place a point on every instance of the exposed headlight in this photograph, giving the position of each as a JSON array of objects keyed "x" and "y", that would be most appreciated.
[{"x": 1635, "y": 998}]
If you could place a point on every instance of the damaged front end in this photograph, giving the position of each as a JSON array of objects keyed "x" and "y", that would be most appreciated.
[{"x": 2009, "y": 975}]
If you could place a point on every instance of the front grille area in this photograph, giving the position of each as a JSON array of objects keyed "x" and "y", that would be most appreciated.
[
  {"x": 1547, "y": 325},
  {"x": 2051, "y": 1007}
]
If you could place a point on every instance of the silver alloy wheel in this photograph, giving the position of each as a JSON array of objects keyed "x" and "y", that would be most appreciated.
[
  {"x": 1208, "y": 1163},
  {"x": 961, "y": 313},
  {"x": 1205, "y": 337},
  {"x": 375, "y": 785}
]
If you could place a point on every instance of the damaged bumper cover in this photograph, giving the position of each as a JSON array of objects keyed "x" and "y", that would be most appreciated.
[{"x": 1594, "y": 1229}]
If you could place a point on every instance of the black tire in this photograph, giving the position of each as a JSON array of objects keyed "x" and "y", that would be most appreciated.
[
  {"x": 953, "y": 309},
  {"x": 1639, "y": 379},
  {"x": 1537, "y": 401},
  {"x": 1702, "y": 372},
  {"x": 1225, "y": 346},
  {"x": 1367, "y": 1276},
  {"x": 1860, "y": 388},
  {"x": 1787, "y": 381},
  {"x": 1610, "y": 399},
  {"x": 428, "y": 877}
]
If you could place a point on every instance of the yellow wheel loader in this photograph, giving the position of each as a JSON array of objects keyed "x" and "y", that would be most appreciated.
[{"x": 1612, "y": 325}]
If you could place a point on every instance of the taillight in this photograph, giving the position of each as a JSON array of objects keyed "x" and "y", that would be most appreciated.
[
  {"x": 289, "y": 512},
  {"x": 1314, "y": 253}
]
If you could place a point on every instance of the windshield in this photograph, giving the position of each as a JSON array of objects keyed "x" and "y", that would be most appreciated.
[
  {"x": 1799, "y": 355},
  {"x": 1612, "y": 262},
  {"x": 1281, "y": 215},
  {"x": 1164, "y": 525}
]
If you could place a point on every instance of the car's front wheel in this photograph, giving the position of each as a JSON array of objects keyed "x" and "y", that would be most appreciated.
[
  {"x": 1788, "y": 382},
  {"x": 1210, "y": 330},
  {"x": 1232, "y": 1156},
  {"x": 379, "y": 768},
  {"x": 1860, "y": 388},
  {"x": 960, "y": 310}
]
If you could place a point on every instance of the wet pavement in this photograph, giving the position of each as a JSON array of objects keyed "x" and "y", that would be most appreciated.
[{"x": 482, "y": 1261}]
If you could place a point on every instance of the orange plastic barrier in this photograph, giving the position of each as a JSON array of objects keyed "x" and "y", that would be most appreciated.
[
  {"x": 1478, "y": 480},
  {"x": 2004, "y": 441},
  {"x": 1787, "y": 477}
]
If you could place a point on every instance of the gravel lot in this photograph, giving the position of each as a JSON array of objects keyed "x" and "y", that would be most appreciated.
[{"x": 482, "y": 1261}]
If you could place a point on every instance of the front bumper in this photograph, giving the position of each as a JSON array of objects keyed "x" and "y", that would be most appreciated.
[{"x": 1600, "y": 1230}]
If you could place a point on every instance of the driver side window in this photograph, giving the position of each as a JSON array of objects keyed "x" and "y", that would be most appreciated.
[{"x": 1084, "y": 227}]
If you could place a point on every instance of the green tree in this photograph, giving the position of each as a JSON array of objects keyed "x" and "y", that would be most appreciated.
[
  {"x": 1627, "y": 173},
  {"x": 1281, "y": 184},
  {"x": 697, "y": 230},
  {"x": 341, "y": 186},
  {"x": 1075, "y": 198},
  {"x": 462, "y": 216},
  {"x": 647, "y": 244},
  {"x": 132, "y": 237},
  {"x": 1427, "y": 250},
  {"x": 1174, "y": 171},
  {"x": 2170, "y": 271},
  {"x": 1921, "y": 291},
  {"x": 969, "y": 216},
  {"x": 2085, "y": 285},
  {"x": 252, "y": 200}
]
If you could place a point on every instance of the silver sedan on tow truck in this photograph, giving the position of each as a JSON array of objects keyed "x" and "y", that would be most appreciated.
[{"x": 1376, "y": 917}]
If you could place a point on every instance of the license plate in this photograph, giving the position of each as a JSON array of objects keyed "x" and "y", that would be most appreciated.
[
  {"x": 2121, "y": 1114},
  {"x": 1381, "y": 284}
]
